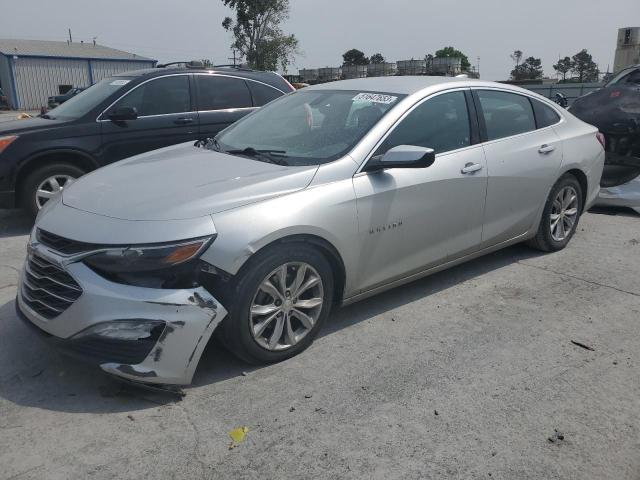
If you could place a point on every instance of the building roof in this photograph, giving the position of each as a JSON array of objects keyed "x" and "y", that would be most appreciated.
[{"x": 45, "y": 48}]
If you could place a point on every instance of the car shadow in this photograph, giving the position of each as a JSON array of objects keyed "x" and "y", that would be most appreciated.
[
  {"x": 33, "y": 374},
  {"x": 615, "y": 211},
  {"x": 217, "y": 364},
  {"x": 14, "y": 223}
]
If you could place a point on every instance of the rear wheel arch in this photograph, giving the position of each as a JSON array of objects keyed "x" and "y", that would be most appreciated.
[{"x": 582, "y": 179}]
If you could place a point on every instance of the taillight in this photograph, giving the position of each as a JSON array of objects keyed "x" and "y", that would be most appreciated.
[{"x": 600, "y": 137}]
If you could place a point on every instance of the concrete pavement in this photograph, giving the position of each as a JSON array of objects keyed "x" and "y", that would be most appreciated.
[{"x": 465, "y": 374}]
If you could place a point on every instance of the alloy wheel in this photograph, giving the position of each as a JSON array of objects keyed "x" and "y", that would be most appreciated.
[
  {"x": 564, "y": 213},
  {"x": 50, "y": 187},
  {"x": 286, "y": 306}
]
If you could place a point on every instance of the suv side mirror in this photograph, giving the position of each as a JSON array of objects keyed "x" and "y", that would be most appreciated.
[
  {"x": 121, "y": 114},
  {"x": 402, "y": 156}
]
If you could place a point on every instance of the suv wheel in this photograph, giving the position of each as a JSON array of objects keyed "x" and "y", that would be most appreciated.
[
  {"x": 279, "y": 303},
  {"x": 45, "y": 182},
  {"x": 560, "y": 216}
]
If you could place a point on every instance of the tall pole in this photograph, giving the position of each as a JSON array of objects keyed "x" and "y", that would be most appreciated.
[
  {"x": 233, "y": 58},
  {"x": 478, "y": 67},
  {"x": 70, "y": 39}
]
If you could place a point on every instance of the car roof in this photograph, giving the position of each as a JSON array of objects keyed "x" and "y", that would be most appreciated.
[
  {"x": 270, "y": 78},
  {"x": 409, "y": 85}
]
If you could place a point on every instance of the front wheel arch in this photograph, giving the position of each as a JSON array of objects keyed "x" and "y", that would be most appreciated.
[
  {"x": 76, "y": 158},
  {"x": 324, "y": 247}
]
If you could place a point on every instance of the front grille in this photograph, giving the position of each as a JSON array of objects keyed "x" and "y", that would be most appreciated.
[
  {"x": 63, "y": 245},
  {"x": 47, "y": 289}
]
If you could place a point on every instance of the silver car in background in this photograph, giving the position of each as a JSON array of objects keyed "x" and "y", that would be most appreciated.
[{"x": 324, "y": 197}]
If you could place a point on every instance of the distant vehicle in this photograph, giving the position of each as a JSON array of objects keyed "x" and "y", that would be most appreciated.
[
  {"x": 121, "y": 116},
  {"x": 53, "y": 102},
  {"x": 326, "y": 196},
  {"x": 4, "y": 101},
  {"x": 561, "y": 100},
  {"x": 615, "y": 110}
]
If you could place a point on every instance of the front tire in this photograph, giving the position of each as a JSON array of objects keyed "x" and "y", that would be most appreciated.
[
  {"x": 278, "y": 303},
  {"x": 560, "y": 216},
  {"x": 45, "y": 182}
]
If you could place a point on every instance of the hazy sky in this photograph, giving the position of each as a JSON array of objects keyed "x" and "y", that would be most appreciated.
[{"x": 399, "y": 29}]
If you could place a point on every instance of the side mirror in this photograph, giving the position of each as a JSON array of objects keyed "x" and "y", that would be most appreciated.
[
  {"x": 402, "y": 156},
  {"x": 120, "y": 114}
]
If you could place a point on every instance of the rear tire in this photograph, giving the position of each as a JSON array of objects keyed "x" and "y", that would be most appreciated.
[
  {"x": 45, "y": 178},
  {"x": 247, "y": 296},
  {"x": 560, "y": 215}
]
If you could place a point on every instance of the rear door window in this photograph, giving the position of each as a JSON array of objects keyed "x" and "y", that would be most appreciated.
[
  {"x": 505, "y": 114},
  {"x": 262, "y": 94},
  {"x": 221, "y": 93},
  {"x": 159, "y": 96},
  {"x": 545, "y": 115}
]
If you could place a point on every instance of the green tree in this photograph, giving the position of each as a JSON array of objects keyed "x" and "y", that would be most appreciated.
[
  {"x": 257, "y": 35},
  {"x": 516, "y": 56},
  {"x": 530, "y": 69},
  {"x": 564, "y": 66},
  {"x": 450, "y": 52},
  {"x": 354, "y": 57},
  {"x": 377, "y": 58},
  {"x": 584, "y": 68}
]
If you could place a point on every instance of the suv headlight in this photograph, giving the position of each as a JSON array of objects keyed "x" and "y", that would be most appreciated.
[
  {"x": 159, "y": 266},
  {"x": 6, "y": 141}
]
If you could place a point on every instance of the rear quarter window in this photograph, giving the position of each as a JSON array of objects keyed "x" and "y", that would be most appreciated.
[
  {"x": 545, "y": 115},
  {"x": 262, "y": 94}
]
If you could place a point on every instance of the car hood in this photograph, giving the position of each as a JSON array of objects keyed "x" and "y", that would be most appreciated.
[
  {"x": 27, "y": 125},
  {"x": 181, "y": 182}
]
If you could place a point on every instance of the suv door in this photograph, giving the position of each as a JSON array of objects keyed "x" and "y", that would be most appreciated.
[
  {"x": 221, "y": 100},
  {"x": 413, "y": 218},
  {"x": 522, "y": 162},
  {"x": 165, "y": 117}
]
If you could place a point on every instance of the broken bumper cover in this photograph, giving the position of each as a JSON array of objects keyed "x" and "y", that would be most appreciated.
[
  {"x": 180, "y": 323},
  {"x": 625, "y": 195}
]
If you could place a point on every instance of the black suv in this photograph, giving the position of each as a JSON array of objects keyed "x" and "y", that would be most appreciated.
[{"x": 121, "y": 116}]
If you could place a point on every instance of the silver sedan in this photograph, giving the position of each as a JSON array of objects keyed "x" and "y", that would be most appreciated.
[{"x": 324, "y": 197}]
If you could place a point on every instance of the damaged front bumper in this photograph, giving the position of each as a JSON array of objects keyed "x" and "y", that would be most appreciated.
[{"x": 147, "y": 335}]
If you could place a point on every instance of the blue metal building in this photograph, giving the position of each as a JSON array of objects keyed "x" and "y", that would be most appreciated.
[{"x": 33, "y": 70}]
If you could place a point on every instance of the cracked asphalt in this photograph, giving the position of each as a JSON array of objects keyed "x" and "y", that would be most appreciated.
[{"x": 470, "y": 373}]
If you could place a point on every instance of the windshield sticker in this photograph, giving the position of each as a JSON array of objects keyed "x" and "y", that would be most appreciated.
[
  {"x": 375, "y": 98},
  {"x": 119, "y": 82}
]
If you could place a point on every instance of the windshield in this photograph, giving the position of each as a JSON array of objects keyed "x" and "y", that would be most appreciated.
[
  {"x": 621, "y": 76},
  {"x": 307, "y": 127},
  {"x": 85, "y": 101}
]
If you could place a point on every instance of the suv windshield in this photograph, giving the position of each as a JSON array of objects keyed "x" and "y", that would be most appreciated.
[
  {"x": 308, "y": 127},
  {"x": 83, "y": 102}
]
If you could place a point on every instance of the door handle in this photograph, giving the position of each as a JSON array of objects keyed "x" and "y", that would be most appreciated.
[
  {"x": 183, "y": 120},
  {"x": 546, "y": 148},
  {"x": 471, "y": 167}
]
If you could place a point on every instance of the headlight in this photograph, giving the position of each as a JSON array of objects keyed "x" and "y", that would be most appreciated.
[
  {"x": 6, "y": 141},
  {"x": 156, "y": 266}
]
